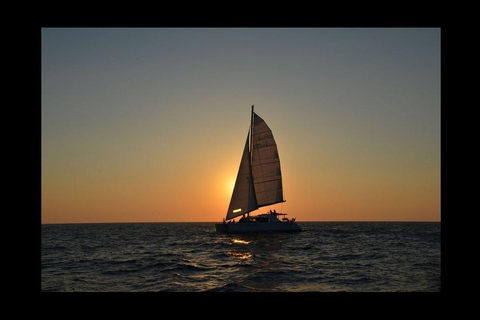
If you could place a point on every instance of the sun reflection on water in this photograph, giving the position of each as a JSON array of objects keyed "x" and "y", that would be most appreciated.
[
  {"x": 240, "y": 255},
  {"x": 239, "y": 241}
]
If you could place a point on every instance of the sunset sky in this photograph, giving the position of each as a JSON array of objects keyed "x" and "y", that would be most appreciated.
[{"x": 149, "y": 125}]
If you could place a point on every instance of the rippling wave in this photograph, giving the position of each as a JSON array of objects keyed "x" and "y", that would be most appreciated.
[{"x": 194, "y": 257}]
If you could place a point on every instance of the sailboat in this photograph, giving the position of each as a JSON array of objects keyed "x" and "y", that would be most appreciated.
[{"x": 258, "y": 184}]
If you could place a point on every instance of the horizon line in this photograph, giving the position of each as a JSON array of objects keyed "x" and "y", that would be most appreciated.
[{"x": 214, "y": 222}]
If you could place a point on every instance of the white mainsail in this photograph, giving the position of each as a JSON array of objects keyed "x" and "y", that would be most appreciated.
[
  {"x": 259, "y": 179},
  {"x": 267, "y": 176}
]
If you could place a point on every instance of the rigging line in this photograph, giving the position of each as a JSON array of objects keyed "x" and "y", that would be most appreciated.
[
  {"x": 271, "y": 204},
  {"x": 261, "y": 163},
  {"x": 261, "y": 187},
  {"x": 274, "y": 187}
]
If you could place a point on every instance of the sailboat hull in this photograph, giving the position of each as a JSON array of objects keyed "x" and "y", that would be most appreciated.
[{"x": 261, "y": 223}]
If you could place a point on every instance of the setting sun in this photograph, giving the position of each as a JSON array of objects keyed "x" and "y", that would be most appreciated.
[
  {"x": 150, "y": 126},
  {"x": 229, "y": 186}
]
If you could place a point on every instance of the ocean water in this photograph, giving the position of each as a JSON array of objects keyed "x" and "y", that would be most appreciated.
[{"x": 193, "y": 257}]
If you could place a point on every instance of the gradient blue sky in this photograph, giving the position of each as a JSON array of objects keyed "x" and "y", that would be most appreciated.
[{"x": 146, "y": 125}]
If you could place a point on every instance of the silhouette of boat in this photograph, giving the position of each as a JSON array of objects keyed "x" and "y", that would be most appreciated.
[{"x": 258, "y": 184}]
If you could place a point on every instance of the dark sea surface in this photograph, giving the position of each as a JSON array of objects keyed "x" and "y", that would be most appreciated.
[{"x": 193, "y": 257}]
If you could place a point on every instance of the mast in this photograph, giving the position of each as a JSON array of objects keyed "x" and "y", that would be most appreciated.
[
  {"x": 250, "y": 160},
  {"x": 251, "y": 134}
]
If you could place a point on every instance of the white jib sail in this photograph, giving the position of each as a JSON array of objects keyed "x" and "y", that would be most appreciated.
[{"x": 243, "y": 197}]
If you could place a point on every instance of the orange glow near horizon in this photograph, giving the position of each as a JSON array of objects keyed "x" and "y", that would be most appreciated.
[
  {"x": 150, "y": 126},
  {"x": 194, "y": 189},
  {"x": 168, "y": 196}
]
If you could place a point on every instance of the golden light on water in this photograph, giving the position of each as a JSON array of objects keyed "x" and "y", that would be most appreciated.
[
  {"x": 241, "y": 255},
  {"x": 239, "y": 241}
]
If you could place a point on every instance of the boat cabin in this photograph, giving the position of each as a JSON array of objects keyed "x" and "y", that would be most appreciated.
[{"x": 265, "y": 218}]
